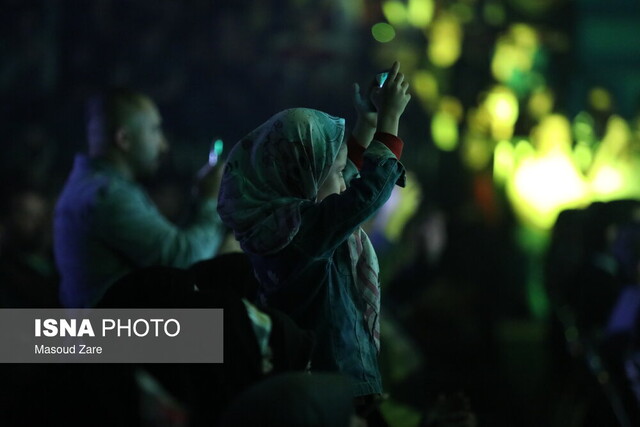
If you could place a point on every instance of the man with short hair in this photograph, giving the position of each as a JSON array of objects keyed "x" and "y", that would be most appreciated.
[{"x": 105, "y": 225}]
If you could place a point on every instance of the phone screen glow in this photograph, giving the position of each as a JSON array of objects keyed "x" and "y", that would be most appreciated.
[
  {"x": 215, "y": 151},
  {"x": 381, "y": 78}
]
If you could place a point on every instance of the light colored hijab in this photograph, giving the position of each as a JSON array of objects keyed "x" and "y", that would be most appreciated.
[
  {"x": 272, "y": 172},
  {"x": 276, "y": 169}
]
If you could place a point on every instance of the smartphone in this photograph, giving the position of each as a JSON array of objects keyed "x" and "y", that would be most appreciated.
[
  {"x": 381, "y": 78},
  {"x": 215, "y": 151},
  {"x": 378, "y": 81}
]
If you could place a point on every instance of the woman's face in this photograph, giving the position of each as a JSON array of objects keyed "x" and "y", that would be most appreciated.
[{"x": 334, "y": 183}]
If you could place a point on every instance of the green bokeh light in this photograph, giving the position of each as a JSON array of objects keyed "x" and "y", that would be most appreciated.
[
  {"x": 383, "y": 32},
  {"x": 444, "y": 131}
]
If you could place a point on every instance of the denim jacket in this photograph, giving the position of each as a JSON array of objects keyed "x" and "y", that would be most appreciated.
[{"x": 311, "y": 279}]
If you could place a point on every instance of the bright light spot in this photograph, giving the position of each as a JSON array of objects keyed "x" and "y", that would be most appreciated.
[
  {"x": 502, "y": 106},
  {"x": 452, "y": 106},
  {"x": 615, "y": 172},
  {"x": 505, "y": 61},
  {"x": 504, "y": 110},
  {"x": 583, "y": 156},
  {"x": 524, "y": 150},
  {"x": 607, "y": 180},
  {"x": 514, "y": 55},
  {"x": 582, "y": 130},
  {"x": 544, "y": 186},
  {"x": 420, "y": 12},
  {"x": 444, "y": 130},
  {"x": 425, "y": 86},
  {"x": 600, "y": 99},
  {"x": 445, "y": 41},
  {"x": 478, "y": 120},
  {"x": 583, "y": 127},
  {"x": 395, "y": 12},
  {"x": 503, "y": 161},
  {"x": 383, "y": 32},
  {"x": 549, "y": 175},
  {"x": 525, "y": 36},
  {"x": 553, "y": 133},
  {"x": 617, "y": 136},
  {"x": 476, "y": 153},
  {"x": 540, "y": 103}
]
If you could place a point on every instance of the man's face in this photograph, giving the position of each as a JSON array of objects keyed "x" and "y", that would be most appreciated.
[{"x": 147, "y": 142}]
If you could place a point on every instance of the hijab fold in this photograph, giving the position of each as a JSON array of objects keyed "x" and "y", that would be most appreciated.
[{"x": 275, "y": 170}]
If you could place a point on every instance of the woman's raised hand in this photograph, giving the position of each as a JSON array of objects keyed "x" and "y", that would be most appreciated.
[{"x": 391, "y": 100}]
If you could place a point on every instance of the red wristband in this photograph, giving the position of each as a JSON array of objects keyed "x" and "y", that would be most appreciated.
[
  {"x": 356, "y": 152},
  {"x": 392, "y": 142}
]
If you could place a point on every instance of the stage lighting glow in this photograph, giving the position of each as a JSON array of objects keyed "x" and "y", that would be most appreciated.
[
  {"x": 452, "y": 106},
  {"x": 600, "y": 99},
  {"x": 395, "y": 12},
  {"x": 383, "y": 32},
  {"x": 514, "y": 56},
  {"x": 583, "y": 156},
  {"x": 502, "y": 105},
  {"x": 583, "y": 128},
  {"x": 425, "y": 86},
  {"x": 477, "y": 152},
  {"x": 542, "y": 187},
  {"x": 420, "y": 12},
  {"x": 503, "y": 161},
  {"x": 445, "y": 41},
  {"x": 523, "y": 150},
  {"x": 615, "y": 172},
  {"x": 547, "y": 181},
  {"x": 607, "y": 180},
  {"x": 540, "y": 103},
  {"x": 444, "y": 131}
]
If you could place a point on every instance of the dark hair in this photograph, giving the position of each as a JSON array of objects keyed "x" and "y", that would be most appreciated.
[{"x": 107, "y": 111}]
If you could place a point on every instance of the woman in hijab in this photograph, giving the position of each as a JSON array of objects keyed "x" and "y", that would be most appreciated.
[{"x": 295, "y": 201}]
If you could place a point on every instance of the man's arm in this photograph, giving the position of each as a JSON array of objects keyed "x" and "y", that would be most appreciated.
[{"x": 128, "y": 221}]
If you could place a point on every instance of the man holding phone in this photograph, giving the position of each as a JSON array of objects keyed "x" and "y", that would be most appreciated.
[{"x": 105, "y": 225}]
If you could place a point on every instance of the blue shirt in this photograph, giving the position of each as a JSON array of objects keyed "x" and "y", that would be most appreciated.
[{"x": 105, "y": 226}]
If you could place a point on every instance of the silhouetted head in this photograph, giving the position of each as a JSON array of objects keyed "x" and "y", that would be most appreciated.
[{"x": 125, "y": 128}]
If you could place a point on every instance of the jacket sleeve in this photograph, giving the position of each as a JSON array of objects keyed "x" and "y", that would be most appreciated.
[
  {"x": 129, "y": 223},
  {"x": 327, "y": 224}
]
